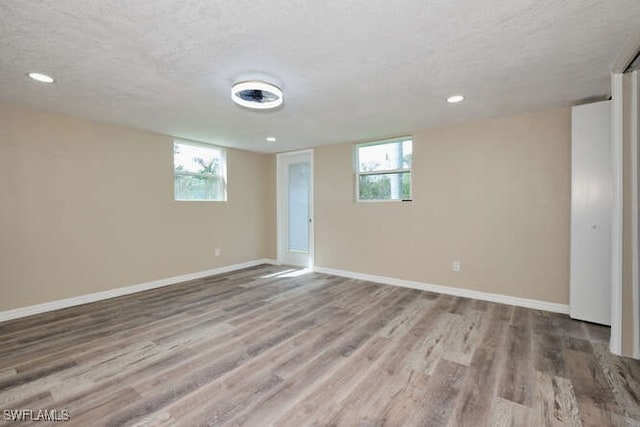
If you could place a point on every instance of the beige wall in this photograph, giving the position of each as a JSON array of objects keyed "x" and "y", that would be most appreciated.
[
  {"x": 78, "y": 215},
  {"x": 494, "y": 195},
  {"x": 87, "y": 207}
]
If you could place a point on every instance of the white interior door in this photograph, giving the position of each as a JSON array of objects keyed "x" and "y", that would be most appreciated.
[
  {"x": 295, "y": 208},
  {"x": 591, "y": 211}
]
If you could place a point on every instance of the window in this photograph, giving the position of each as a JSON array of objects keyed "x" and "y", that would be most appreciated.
[
  {"x": 199, "y": 172},
  {"x": 383, "y": 170}
]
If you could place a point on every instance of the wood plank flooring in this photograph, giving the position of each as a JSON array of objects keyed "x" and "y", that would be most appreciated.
[{"x": 270, "y": 346}]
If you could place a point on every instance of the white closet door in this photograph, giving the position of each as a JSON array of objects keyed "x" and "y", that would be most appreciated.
[{"x": 591, "y": 202}]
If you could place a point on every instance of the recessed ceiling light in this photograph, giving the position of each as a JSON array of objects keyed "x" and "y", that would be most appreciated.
[
  {"x": 271, "y": 139},
  {"x": 43, "y": 78},
  {"x": 256, "y": 94},
  {"x": 455, "y": 99}
]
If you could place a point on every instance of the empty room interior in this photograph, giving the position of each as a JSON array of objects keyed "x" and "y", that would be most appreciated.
[{"x": 344, "y": 213}]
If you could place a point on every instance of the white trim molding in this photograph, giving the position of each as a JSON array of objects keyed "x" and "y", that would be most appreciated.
[
  {"x": 117, "y": 292},
  {"x": 448, "y": 290},
  {"x": 635, "y": 254},
  {"x": 615, "y": 344}
]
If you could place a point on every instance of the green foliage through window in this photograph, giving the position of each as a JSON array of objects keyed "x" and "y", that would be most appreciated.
[
  {"x": 199, "y": 172},
  {"x": 378, "y": 187},
  {"x": 383, "y": 170}
]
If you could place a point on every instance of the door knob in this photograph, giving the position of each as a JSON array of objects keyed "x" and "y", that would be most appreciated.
[{"x": 594, "y": 226}]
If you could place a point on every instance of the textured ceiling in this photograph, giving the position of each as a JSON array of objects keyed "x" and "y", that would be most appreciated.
[{"x": 350, "y": 70}]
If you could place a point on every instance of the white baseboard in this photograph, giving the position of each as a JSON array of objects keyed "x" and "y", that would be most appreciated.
[
  {"x": 112, "y": 293},
  {"x": 448, "y": 290}
]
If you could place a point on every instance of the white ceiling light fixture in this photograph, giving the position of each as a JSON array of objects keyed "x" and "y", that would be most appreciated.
[
  {"x": 256, "y": 94},
  {"x": 42, "y": 78},
  {"x": 454, "y": 99},
  {"x": 270, "y": 139}
]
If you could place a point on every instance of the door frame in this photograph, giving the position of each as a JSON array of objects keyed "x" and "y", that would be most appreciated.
[
  {"x": 635, "y": 253},
  {"x": 280, "y": 216},
  {"x": 615, "y": 341},
  {"x": 617, "y": 93}
]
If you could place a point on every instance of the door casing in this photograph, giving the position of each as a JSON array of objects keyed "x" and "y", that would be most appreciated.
[{"x": 281, "y": 215}]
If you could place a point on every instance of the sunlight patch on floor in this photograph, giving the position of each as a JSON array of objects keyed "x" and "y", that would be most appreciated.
[{"x": 293, "y": 272}]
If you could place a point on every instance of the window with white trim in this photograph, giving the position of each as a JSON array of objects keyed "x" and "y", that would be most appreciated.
[
  {"x": 199, "y": 172},
  {"x": 383, "y": 170}
]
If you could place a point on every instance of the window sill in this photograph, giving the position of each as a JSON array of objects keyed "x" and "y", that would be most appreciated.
[
  {"x": 366, "y": 202},
  {"x": 197, "y": 201}
]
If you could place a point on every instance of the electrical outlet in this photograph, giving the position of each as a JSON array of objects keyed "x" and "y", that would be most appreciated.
[
  {"x": 217, "y": 252},
  {"x": 456, "y": 266}
]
